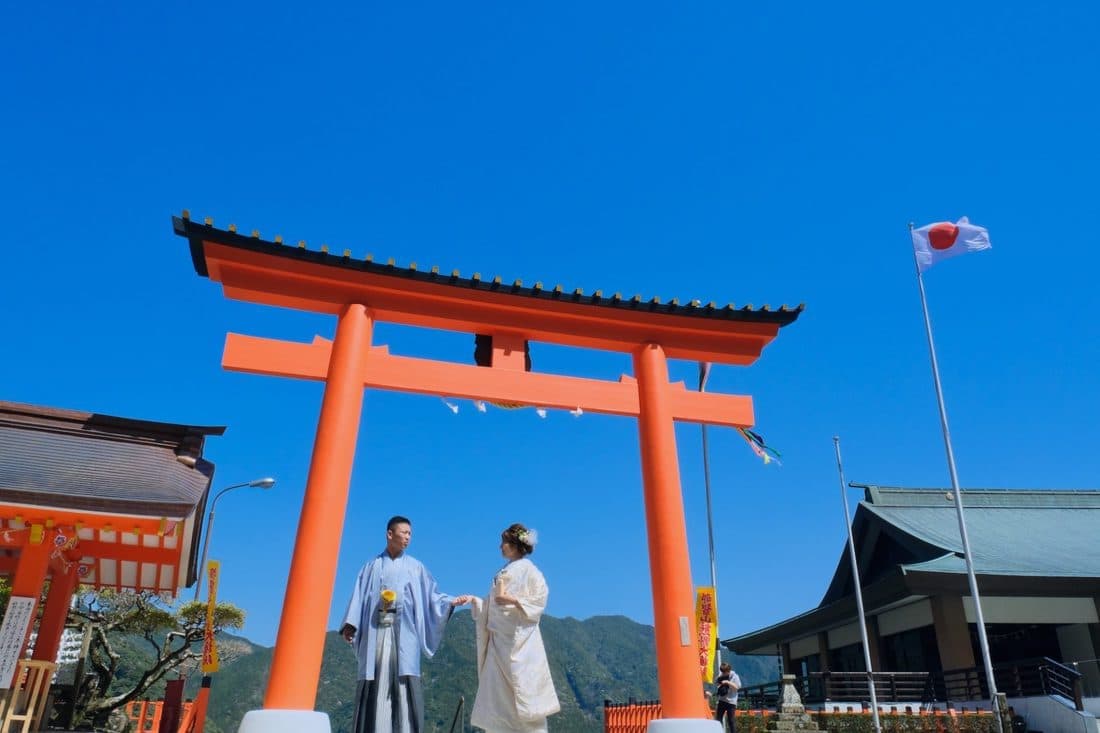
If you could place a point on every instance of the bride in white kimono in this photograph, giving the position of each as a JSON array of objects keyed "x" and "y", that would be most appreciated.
[{"x": 515, "y": 693}]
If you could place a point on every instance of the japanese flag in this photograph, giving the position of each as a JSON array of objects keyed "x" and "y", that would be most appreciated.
[{"x": 936, "y": 242}]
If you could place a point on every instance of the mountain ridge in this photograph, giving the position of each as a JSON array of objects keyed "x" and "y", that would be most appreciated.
[{"x": 591, "y": 660}]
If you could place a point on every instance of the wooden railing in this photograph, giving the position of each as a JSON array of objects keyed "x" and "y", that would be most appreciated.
[
  {"x": 145, "y": 715},
  {"x": 1024, "y": 678},
  {"x": 22, "y": 706},
  {"x": 852, "y": 686},
  {"x": 843, "y": 687}
]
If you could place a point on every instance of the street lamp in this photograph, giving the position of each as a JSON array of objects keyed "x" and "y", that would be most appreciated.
[{"x": 260, "y": 483}]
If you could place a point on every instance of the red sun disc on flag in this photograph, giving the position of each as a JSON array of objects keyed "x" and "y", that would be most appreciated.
[{"x": 943, "y": 235}]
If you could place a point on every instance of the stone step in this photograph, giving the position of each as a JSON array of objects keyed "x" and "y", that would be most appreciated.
[{"x": 792, "y": 722}]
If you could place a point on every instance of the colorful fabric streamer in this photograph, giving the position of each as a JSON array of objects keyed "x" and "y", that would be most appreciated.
[{"x": 759, "y": 447}]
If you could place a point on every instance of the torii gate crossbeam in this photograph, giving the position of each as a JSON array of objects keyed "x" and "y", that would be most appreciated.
[{"x": 361, "y": 293}]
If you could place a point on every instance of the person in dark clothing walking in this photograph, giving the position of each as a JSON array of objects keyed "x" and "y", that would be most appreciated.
[{"x": 726, "y": 686}]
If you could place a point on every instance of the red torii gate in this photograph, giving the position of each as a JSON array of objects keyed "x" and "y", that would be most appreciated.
[{"x": 361, "y": 292}]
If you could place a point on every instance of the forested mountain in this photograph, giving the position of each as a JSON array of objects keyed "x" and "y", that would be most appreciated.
[{"x": 601, "y": 658}]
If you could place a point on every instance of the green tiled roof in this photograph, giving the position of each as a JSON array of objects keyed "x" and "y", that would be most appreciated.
[
  {"x": 1049, "y": 540},
  {"x": 1027, "y": 533}
]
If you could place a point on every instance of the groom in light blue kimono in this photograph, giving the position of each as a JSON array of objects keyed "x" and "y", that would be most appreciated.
[{"x": 396, "y": 612}]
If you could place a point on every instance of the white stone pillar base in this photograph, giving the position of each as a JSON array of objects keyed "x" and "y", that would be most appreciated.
[
  {"x": 684, "y": 725},
  {"x": 285, "y": 721}
]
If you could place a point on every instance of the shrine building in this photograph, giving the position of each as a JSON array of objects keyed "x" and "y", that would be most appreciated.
[
  {"x": 1037, "y": 562},
  {"x": 95, "y": 500}
]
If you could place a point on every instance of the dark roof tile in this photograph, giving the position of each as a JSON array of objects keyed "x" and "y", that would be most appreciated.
[
  {"x": 83, "y": 461},
  {"x": 198, "y": 233}
]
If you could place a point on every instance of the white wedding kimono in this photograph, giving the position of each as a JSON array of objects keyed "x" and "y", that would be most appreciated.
[{"x": 515, "y": 693}]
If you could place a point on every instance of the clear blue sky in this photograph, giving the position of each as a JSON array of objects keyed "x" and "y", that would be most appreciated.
[{"x": 753, "y": 153}]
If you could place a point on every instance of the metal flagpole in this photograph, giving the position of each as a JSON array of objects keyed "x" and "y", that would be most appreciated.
[
  {"x": 979, "y": 619},
  {"x": 859, "y": 589},
  {"x": 704, "y": 372}
]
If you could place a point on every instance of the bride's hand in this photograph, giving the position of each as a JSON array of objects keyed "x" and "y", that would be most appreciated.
[{"x": 505, "y": 599}]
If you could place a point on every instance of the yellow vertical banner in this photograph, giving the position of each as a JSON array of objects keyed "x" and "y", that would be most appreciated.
[
  {"x": 209, "y": 648},
  {"x": 706, "y": 626}
]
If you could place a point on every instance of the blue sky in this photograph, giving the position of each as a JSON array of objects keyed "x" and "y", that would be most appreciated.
[{"x": 768, "y": 153}]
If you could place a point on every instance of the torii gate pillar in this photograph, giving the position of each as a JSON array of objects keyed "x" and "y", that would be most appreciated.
[
  {"x": 669, "y": 568},
  {"x": 299, "y": 645}
]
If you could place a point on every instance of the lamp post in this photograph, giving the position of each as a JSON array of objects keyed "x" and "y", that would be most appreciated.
[{"x": 260, "y": 483}]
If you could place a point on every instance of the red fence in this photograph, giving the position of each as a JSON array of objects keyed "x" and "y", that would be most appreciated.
[
  {"x": 145, "y": 715},
  {"x": 634, "y": 718}
]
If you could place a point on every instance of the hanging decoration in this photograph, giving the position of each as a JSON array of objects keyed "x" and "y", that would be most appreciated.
[
  {"x": 483, "y": 406},
  {"x": 759, "y": 447}
]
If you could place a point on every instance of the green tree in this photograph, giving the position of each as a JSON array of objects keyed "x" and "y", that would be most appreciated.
[{"x": 171, "y": 632}]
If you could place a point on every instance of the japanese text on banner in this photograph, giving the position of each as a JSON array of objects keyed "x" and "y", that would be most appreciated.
[
  {"x": 706, "y": 627},
  {"x": 209, "y": 648}
]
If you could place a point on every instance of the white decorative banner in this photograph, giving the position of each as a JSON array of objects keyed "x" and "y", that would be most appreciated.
[{"x": 13, "y": 633}]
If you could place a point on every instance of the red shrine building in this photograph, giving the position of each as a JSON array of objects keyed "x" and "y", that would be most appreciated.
[{"x": 94, "y": 500}]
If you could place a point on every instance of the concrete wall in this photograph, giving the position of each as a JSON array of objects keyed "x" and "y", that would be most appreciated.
[
  {"x": 1075, "y": 641},
  {"x": 805, "y": 646},
  {"x": 1033, "y": 610},
  {"x": 913, "y": 616},
  {"x": 1052, "y": 715}
]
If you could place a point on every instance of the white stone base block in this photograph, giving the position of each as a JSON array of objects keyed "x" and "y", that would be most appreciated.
[
  {"x": 285, "y": 721},
  {"x": 684, "y": 725}
]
